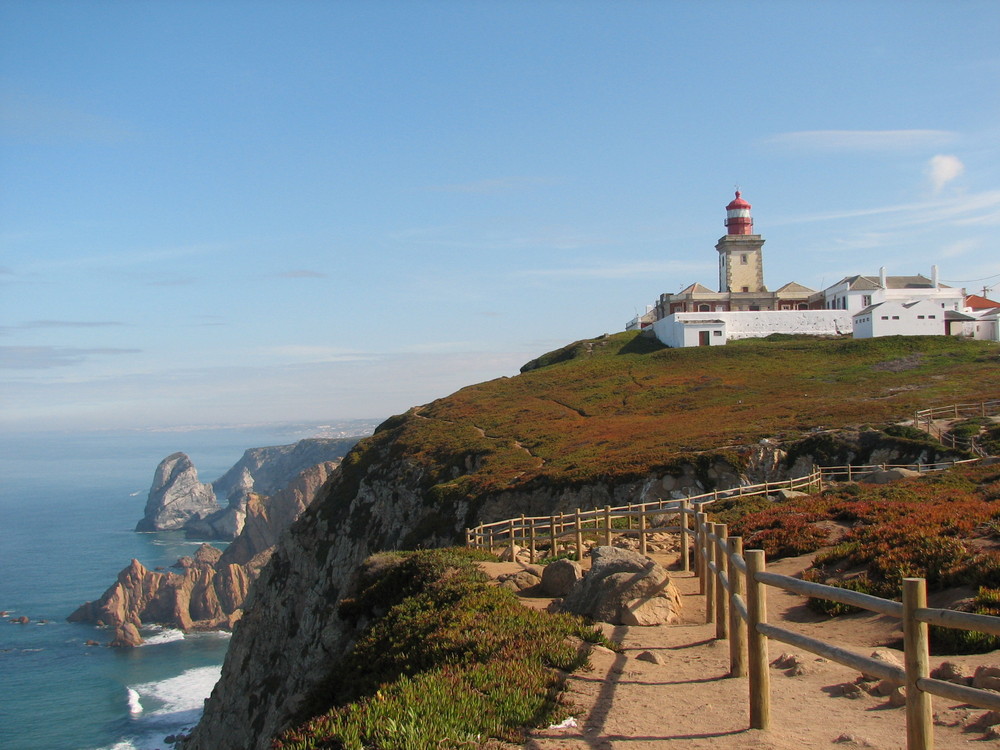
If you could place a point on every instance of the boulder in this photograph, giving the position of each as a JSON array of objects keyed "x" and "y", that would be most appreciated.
[
  {"x": 625, "y": 588},
  {"x": 987, "y": 677},
  {"x": 560, "y": 576},
  {"x": 949, "y": 671},
  {"x": 888, "y": 475},
  {"x": 652, "y": 657},
  {"x": 519, "y": 581}
]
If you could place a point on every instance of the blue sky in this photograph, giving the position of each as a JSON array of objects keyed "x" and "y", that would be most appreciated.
[{"x": 240, "y": 212}]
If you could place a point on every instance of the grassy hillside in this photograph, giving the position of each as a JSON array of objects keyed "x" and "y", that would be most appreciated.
[{"x": 620, "y": 405}]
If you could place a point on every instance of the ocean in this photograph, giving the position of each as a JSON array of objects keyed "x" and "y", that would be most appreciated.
[{"x": 68, "y": 507}]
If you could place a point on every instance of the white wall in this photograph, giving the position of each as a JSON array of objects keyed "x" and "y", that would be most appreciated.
[{"x": 751, "y": 325}]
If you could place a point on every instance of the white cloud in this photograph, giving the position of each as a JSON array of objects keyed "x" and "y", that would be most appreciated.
[
  {"x": 862, "y": 140},
  {"x": 942, "y": 169},
  {"x": 976, "y": 208}
]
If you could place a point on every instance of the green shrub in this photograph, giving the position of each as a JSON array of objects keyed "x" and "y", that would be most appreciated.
[
  {"x": 955, "y": 641},
  {"x": 451, "y": 661}
]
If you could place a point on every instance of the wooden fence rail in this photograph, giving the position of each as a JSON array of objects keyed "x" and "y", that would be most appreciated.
[
  {"x": 924, "y": 419},
  {"x": 737, "y": 584},
  {"x": 567, "y": 531}
]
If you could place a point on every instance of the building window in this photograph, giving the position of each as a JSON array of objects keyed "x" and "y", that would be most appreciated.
[
  {"x": 786, "y": 307},
  {"x": 743, "y": 259},
  {"x": 704, "y": 308},
  {"x": 803, "y": 306},
  {"x": 932, "y": 317},
  {"x": 716, "y": 333},
  {"x": 885, "y": 317},
  {"x": 745, "y": 289},
  {"x": 920, "y": 317},
  {"x": 866, "y": 300},
  {"x": 754, "y": 308},
  {"x": 895, "y": 317}
]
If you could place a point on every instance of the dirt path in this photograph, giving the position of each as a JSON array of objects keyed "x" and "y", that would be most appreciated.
[{"x": 688, "y": 701}]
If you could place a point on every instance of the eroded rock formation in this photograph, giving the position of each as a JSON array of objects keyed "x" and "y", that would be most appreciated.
[
  {"x": 200, "y": 595},
  {"x": 176, "y": 496},
  {"x": 177, "y": 500},
  {"x": 208, "y": 589}
]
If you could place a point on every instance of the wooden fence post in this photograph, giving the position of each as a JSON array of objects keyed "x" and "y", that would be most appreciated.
[
  {"x": 607, "y": 525},
  {"x": 737, "y": 627},
  {"x": 579, "y": 537},
  {"x": 708, "y": 557},
  {"x": 919, "y": 726},
  {"x": 760, "y": 678},
  {"x": 531, "y": 542},
  {"x": 699, "y": 547},
  {"x": 721, "y": 593},
  {"x": 685, "y": 554},
  {"x": 642, "y": 532},
  {"x": 510, "y": 531},
  {"x": 554, "y": 549}
]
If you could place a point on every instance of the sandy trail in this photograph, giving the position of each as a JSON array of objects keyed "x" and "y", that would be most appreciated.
[{"x": 688, "y": 701}]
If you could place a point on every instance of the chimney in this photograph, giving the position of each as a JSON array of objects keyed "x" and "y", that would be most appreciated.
[
  {"x": 881, "y": 277},
  {"x": 934, "y": 277}
]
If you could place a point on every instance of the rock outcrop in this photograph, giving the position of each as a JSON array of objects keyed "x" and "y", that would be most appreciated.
[
  {"x": 202, "y": 595},
  {"x": 176, "y": 496},
  {"x": 625, "y": 588},
  {"x": 208, "y": 589},
  {"x": 267, "y": 518},
  {"x": 177, "y": 500}
]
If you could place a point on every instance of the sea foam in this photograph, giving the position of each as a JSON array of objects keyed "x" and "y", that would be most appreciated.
[
  {"x": 162, "y": 635},
  {"x": 134, "y": 706}
]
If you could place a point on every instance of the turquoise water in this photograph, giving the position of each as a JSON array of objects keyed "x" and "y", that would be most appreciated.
[{"x": 68, "y": 505}]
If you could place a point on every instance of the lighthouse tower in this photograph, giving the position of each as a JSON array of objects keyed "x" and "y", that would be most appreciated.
[{"x": 741, "y": 263}]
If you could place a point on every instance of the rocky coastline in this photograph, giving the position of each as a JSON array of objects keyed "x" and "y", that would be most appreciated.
[{"x": 206, "y": 591}]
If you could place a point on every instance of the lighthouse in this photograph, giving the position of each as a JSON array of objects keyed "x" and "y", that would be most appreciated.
[
  {"x": 738, "y": 219},
  {"x": 741, "y": 262}
]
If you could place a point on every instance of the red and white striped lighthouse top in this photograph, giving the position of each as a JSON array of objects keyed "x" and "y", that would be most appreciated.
[{"x": 738, "y": 219}]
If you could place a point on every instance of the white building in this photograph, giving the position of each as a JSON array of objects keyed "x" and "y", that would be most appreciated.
[
  {"x": 864, "y": 306},
  {"x": 855, "y": 293},
  {"x": 921, "y": 317}
]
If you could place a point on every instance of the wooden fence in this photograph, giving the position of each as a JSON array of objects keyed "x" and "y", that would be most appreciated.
[
  {"x": 569, "y": 531},
  {"x": 735, "y": 586},
  {"x": 925, "y": 419},
  {"x": 735, "y": 583}
]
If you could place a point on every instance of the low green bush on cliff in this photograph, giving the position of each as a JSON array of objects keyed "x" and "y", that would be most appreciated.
[{"x": 448, "y": 661}]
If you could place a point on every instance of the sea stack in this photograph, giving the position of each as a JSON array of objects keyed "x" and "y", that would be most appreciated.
[{"x": 176, "y": 496}]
